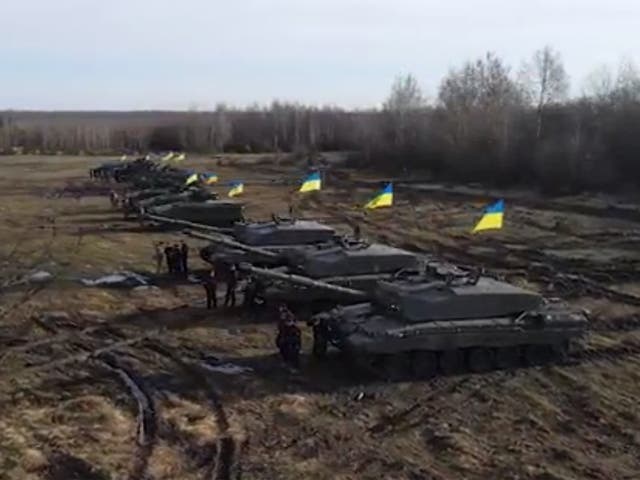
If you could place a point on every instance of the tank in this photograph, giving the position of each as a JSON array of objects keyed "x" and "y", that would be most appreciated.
[
  {"x": 217, "y": 213},
  {"x": 106, "y": 170},
  {"x": 348, "y": 258},
  {"x": 123, "y": 171},
  {"x": 132, "y": 201},
  {"x": 189, "y": 195},
  {"x": 267, "y": 243},
  {"x": 283, "y": 231},
  {"x": 426, "y": 324},
  {"x": 141, "y": 195},
  {"x": 351, "y": 264}
]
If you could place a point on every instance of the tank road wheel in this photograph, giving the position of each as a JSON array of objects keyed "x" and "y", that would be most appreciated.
[
  {"x": 424, "y": 364},
  {"x": 560, "y": 351},
  {"x": 451, "y": 361},
  {"x": 507, "y": 357},
  {"x": 537, "y": 354},
  {"x": 320, "y": 341},
  {"x": 480, "y": 359},
  {"x": 395, "y": 367}
]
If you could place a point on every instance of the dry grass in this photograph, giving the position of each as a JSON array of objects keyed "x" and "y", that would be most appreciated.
[{"x": 563, "y": 422}]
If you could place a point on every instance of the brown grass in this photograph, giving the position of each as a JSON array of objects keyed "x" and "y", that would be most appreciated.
[{"x": 564, "y": 422}]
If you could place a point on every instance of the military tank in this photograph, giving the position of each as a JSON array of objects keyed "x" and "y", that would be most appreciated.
[
  {"x": 257, "y": 242},
  {"x": 188, "y": 195},
  {"x": 216, "y": 213},
  {"x": 349, "y": 263},
  {"x": 444, "y": 323},
  {"x": 132, "y": 201}
]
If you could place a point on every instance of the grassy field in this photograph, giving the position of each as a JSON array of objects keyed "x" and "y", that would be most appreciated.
[{"x": 152, "y": 409}]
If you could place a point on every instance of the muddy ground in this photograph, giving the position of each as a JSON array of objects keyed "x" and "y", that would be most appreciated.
[{"x": 104, "y": 383}]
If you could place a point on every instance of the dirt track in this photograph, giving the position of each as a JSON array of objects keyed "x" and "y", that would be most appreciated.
[{"x": 62, "y": 416}]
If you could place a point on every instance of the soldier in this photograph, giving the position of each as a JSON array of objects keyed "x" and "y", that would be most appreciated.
[
  {"x": 184, "y": 257},
  {"x": 157, "y": 256},
  {"x": 210, "y": 286},
  {"x": 232, "y": 282},
  {"x": 168, "y": 253},
  {"x": 288, "y": 339},
  {"x": 177, "y": 259},
  {"x": 252, "y": 291},
  {"x": 356, "y": 231},
  {"x": 113, "y": 196}
]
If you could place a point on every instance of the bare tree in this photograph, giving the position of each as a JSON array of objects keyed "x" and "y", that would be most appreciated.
[
  {"x": 627, "y": 88},
  {"x": 599, "y": 84},
  {"x": 479, "y": 102},
  {"x": 222, "y": 127},
  {"x": 546, "y": 82},
  {"x": 403, "y": 101}
]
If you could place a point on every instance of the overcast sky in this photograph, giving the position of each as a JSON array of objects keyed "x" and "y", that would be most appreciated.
[{"x": 148, "y": 54}]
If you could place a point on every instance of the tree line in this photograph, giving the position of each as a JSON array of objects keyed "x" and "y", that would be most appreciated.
[{"x": 489, "y": 123}]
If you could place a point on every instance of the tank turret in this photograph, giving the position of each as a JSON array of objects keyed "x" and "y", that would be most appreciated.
[
  {"x": 350, "y": 258},
  {"x": 283, "y": 232},
  {"x": 220, "y": 213},
  {"x": 351, "y": 264}
]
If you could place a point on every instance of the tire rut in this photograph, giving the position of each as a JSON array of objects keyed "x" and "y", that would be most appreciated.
[
  {"x": 226, "y": 461},
  {"x": 146, "y": 419}
]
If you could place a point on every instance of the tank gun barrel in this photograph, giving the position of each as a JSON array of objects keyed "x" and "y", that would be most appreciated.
[
  {"x": 185, "y": 223},
  {"x": 226, "y": 241},
  {"x": 307, "y": 282}
]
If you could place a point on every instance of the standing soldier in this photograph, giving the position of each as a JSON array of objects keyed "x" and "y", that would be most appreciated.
[
  {"x": 232, "y": 282},
  {"x": 168, "y": 253},
  {"x": 177, "y": 259},
  {"x": 113, "y": 196},
  {"x": 157, "y": 256},
  {"x": 288, "y": 339},
  {"x": 356, "y": 231},
  {"x": 210, "y": 286},
  {"x": 184, "y": 257}
]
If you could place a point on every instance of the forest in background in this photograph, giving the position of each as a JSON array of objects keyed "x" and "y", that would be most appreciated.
[{"x": 488, "y": 123}]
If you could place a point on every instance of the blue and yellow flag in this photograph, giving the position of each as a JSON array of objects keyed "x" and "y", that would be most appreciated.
[
  {"x": 492, "y": 218},
  {"x": 193, "y": 178},
  {"x": 237, "y": 188},
  {"x": 209, "y": 178},
  {"x": 311, "y": 183},
  {"x": 384, "y": 198}
]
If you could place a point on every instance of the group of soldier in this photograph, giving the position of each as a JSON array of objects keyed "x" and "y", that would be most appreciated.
[
  {"x": 222, "y": 272},
  {"x": 288, "y": 339},
  {"x": 176, "y": 257}
]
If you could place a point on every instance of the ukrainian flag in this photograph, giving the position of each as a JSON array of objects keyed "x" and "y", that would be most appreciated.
[
  {"x": 311, "y": 183},
  {"x": 210, "y": 178},
  {"x": 492, "y": 218},
  {"x": 383, "y": 199},
  {"x": 193, "y": 178},
  {"x": 237, "y": 188}
]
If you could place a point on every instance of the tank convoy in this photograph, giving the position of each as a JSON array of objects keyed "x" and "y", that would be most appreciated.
[
  {"x": 160, "y": 190},
  {"x": 391, "y": 310}
]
